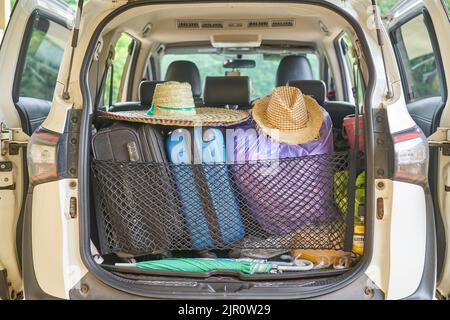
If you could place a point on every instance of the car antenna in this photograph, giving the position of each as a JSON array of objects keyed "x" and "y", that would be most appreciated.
[
  {"x": 76, "y": 30},
  {"x": 380, "y": 39}
]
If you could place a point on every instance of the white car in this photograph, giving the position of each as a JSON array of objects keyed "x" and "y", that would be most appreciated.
[{"x": 56, "y": 66}]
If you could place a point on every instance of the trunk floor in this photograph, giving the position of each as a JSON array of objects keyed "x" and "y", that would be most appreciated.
[{"x": 179, "y": 275}]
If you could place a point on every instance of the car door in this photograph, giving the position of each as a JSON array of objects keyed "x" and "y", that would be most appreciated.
[
  {"x": 30, "y": 57},
  {"x": 420, "y": 35}
]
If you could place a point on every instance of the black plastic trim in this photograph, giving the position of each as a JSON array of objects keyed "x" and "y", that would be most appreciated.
[
  {"x": 68, "y": 146},
  {"x": 19, "y": 226},
  {"x": 427, "y": 286},
  {"x": 84, "y": 196},
  {"x": 90, "y": 288},
  {"x": 32, "y": 289}
]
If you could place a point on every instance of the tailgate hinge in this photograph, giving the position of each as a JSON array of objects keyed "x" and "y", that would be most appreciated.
[
  {"x": 11, "y": 140},
  {"x": 441, "y": 139}
]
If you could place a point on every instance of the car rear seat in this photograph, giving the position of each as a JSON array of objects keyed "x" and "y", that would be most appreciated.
[
  {"x": 293, "y": 67},
  {"x": 146, "y": 90},
  {"x": 338, "y": 110},
  {"x": 227, "y": 91},
  {"x": 181, "y": 71},
  {"x": 186, "y": 71}
]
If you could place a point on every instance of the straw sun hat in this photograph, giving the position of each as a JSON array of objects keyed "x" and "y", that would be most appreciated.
[
  {"x": 289, "y": 116},
  {"x": 173, "y": 104}
]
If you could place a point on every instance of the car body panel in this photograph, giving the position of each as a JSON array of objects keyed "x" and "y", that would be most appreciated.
[
  {"x": 441, "y": 26},
  {"x": 11, "y": 201},
  {"x": 406, "y": 249},
  {"x": 383, "y": 261},
  {"x": 56, "y": 259}
]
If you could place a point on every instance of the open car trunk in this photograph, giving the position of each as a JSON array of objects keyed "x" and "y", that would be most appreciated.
[
  {"x": 249, "y": 226},
  {"x": 288, "y": 218},
  {"x": 294, "y": 203}
]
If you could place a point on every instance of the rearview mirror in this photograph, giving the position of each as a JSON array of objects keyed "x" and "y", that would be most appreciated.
[{"x": 239, "y": 64}]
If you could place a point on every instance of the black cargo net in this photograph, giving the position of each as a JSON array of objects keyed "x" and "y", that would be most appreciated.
[{"x": 146, "y": 208}]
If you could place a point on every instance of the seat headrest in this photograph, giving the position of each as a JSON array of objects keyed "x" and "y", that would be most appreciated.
[
  {"x": 185, "y": 71},
  {"x": 233, "y": 91},
  {"x": 293, "y": 68},
  {"x": 146, "y": 91},
  {"x": 315, "y": 88}
]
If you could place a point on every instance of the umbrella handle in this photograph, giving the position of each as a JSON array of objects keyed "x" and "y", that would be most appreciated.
[{"x": 300, "y": 265}]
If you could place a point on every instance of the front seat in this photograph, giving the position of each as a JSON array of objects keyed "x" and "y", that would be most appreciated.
[
  {"x": 293, "y": 68},
  {"x": 146, "y": 90},
  {"x": 186, "y": 71},
  {"x": 233, "y": 92}
]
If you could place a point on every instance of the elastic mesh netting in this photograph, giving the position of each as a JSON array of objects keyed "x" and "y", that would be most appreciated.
[{"x": 144, "y": 208}]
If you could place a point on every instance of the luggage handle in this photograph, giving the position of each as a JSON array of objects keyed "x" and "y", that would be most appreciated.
[{"x": 133, "y": 151}]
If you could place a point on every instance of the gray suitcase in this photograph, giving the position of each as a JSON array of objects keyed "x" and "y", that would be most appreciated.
[{"x": 131, "y": 220}]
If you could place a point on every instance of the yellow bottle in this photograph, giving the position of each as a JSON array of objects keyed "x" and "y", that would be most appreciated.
[{"x": 358, "y": 237}]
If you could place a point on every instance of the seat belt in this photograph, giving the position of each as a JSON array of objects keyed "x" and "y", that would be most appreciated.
[
  {"x": 98, "y": 96},
  {"x": 111, "y": 81}
]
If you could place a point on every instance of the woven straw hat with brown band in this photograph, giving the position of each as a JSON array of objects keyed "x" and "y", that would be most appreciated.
[
  {"x": 288, "y": 116},
  {"x": 173, "y": 104}
]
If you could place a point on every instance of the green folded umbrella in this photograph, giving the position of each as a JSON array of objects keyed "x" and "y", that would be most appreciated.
[{"x": 204, "y": 265}]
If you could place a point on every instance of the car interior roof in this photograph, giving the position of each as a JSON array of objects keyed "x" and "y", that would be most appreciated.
[
  {"x": 315, "y": 28},
  {"x": 312, "y": 23}
]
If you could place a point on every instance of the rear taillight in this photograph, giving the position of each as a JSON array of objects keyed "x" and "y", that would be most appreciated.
[
  {"x": 42, "y": 156},
  {"x": 411, "y": 156}
]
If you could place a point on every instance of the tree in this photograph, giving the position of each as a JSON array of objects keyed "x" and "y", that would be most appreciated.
[
  {"x": 386, "y": 5},
  {"x": 73, "y": 3}
]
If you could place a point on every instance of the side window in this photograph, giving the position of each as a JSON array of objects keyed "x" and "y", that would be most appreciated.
[
  {"x": 118, "y": 70},
  {"x": 42, "y": 60},
  {"x": 415, "y": 51},
  {"x": 351, "y": 68}
]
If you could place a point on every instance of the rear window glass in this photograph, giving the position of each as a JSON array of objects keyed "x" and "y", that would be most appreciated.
[
  {"x": 42, "y": 60},
  {"x": 419, "y": 60},
  {"x": 263, "y": 76}
]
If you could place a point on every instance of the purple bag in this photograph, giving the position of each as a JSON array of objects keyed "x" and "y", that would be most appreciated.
[{"x": 283, "y": 195}]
